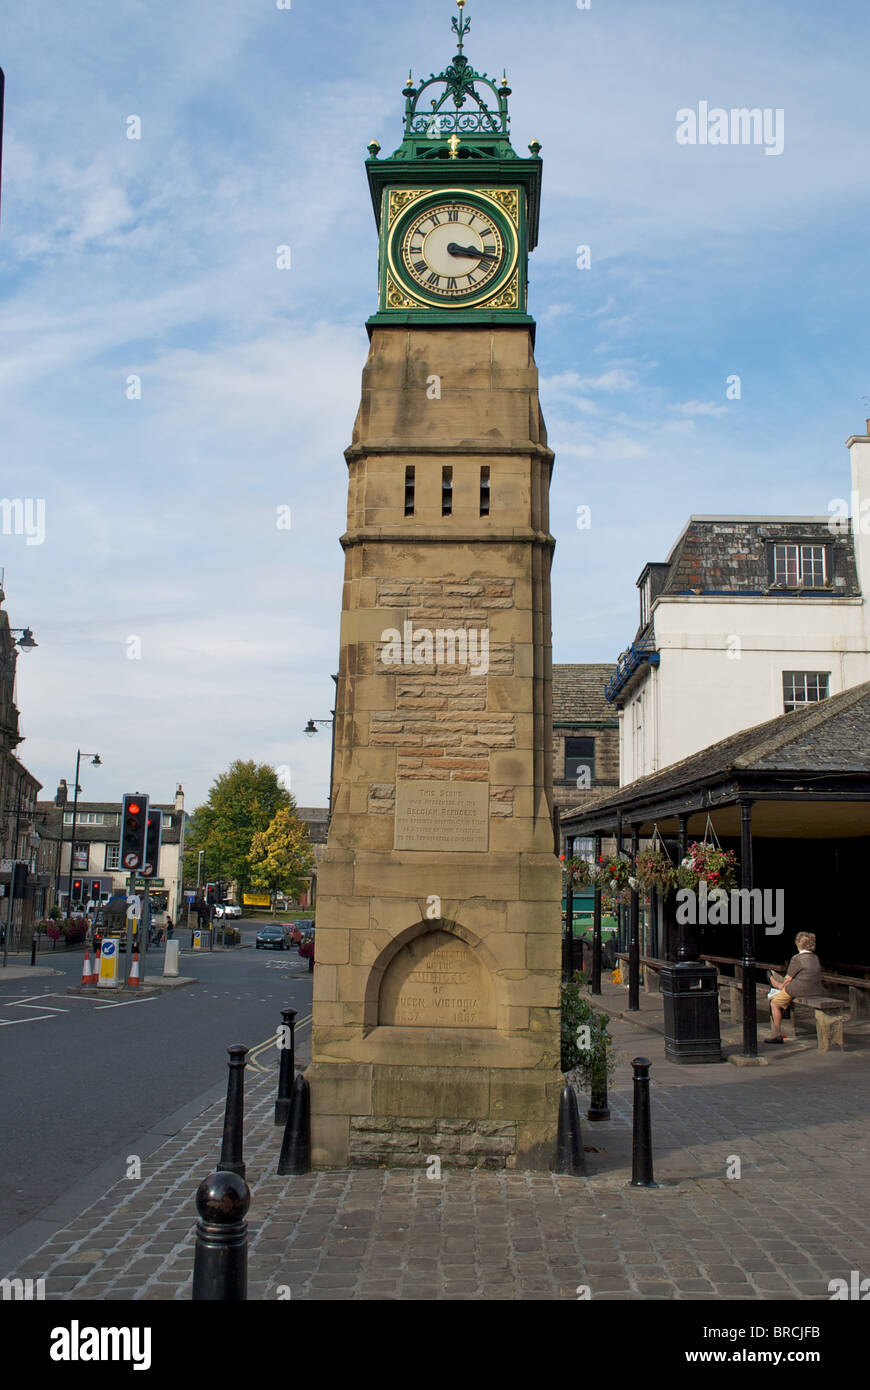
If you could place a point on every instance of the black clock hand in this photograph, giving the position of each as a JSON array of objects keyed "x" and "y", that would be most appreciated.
[{"x": 455, "y": 250}]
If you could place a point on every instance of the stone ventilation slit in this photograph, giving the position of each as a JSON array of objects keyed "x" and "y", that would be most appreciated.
[
  {"x": 409, "y": 490},
  {"x": 484, "y": 491},
  {"x": 446, "y": 491}
]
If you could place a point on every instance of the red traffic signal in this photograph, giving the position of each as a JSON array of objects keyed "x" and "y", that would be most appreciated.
[{"x": 134, "y": 825}]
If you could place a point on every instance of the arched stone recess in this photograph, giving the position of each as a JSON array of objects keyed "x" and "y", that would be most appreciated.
[{"x": 433, "y": 974}]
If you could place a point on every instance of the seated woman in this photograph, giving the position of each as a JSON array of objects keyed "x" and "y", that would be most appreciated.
[{"x": 802, "y": 979}]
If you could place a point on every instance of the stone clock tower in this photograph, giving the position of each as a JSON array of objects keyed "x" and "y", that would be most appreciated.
[{"x": 436, "y": 988}]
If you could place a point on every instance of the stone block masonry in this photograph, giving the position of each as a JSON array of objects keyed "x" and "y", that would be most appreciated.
[{"x": 402, "y": 1142}]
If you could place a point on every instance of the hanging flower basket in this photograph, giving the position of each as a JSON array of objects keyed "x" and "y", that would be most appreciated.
[
  {"x": 708, "y": 861},
  {"x": 579, "y": 873},
  {"x": 615, "y": 874},
  {"x": 655, "y": 870}
]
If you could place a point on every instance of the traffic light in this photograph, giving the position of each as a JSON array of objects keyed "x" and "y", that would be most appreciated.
[
  {"x": 134, "y": 826},
  {"x": 76, "y": 894},
  {"x": 95, "y": 890},
  {"x": 153, "y": 835},
  {"x": 210, "y": 892}
]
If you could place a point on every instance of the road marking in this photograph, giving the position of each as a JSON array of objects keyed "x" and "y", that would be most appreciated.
[
  {"x": 13, "y": 1022},
  {"x": 125, "y": 1003},
  {"x": 255, "y": 1053},
  {"x": 53, "y": 1007}
]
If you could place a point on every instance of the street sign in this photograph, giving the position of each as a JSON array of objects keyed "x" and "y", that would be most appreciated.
[
  {"x": 134, "y": 908},
  {"x": 108, "y": 962}
]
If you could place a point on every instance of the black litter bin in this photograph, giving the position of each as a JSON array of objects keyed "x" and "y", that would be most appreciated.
[{"x": 690, "y": 995}]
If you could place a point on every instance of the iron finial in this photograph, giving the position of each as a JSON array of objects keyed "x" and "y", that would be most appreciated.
[{"x": 461, "y": 25}]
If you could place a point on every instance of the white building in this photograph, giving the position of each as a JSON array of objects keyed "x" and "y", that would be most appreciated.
[{"x": 748, "y": 618}]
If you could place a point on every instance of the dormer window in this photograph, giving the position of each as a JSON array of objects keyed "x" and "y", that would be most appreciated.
[
  {"x": 801, "y": 566},
  {"x": 644, "y": 602}
]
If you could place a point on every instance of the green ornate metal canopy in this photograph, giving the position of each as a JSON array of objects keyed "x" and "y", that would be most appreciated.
[{"x": 458, "y": 113}]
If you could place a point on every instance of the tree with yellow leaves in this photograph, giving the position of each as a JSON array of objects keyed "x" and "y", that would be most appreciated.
[{"x": 281, "y": 856}]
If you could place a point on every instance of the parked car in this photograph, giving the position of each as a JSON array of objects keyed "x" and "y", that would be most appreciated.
[
  {"x": 300, "y": 928},
  {"x": 275, "y": 937},
  {"x": 306, "y": 948}
]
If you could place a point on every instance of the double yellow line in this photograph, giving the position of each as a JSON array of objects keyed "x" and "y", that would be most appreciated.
[{"x": 254, "y": 1058}]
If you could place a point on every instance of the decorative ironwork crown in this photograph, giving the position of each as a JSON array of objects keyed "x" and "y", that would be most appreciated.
[{"x": 457, "y": 109}]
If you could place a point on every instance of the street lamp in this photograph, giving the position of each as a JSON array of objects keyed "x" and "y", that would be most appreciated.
[
  {"x": 310, "y": 730},
  {"x": 95, "y": 762},
  {"x": 25, "y": 641}
]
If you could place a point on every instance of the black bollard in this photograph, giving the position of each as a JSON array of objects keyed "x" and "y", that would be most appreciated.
[
  {"x": 231, "y": 1160},
  {"x": 598, "y": 1106},
  {"x": 641, "y": 1138},
  {"x": 570, "y": 1158},
  {"x": 220, "y": 1259},
  {"x": 33, "y": 950},
  {"x": 296, "y": 1146},
  {"x": 287, "y": 1074}
]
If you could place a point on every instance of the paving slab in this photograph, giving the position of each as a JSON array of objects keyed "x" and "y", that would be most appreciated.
[{"x": 761, "y": 1196}]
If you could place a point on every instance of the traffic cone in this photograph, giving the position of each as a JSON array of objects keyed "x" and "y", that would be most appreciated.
[
  {"x": 134, "y": 973},
  {"x": 88, "y": 978}
]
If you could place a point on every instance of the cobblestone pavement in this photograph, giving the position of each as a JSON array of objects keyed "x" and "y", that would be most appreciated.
[{"x": 797, "y": 1217}]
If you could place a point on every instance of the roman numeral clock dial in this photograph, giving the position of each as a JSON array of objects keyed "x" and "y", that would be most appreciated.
[{"x": 452, "y": 252}]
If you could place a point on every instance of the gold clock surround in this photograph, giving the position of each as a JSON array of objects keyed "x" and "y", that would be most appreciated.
[{"x": 503, "y": 202}]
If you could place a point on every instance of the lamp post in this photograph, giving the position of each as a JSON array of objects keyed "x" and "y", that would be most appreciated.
[
  {"x": 14, "y": 874},
  {"x": 26, "y": 643},
  {"x": 310, "y": 730},
  {"x": 95, "y": 762}
]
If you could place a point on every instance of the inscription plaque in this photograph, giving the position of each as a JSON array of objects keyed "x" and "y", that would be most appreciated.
[
  {"x": 436, "y": 980},
  {"x": 442, "y": 816}
]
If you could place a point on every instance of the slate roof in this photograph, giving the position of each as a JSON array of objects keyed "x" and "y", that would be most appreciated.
[
  {"x": 723, "y": 554},
  {"x": 578, "y": 693},
  {"x": 831, "y": 736}
]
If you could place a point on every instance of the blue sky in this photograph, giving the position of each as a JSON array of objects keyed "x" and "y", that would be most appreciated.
[{"x": 156, "y": 257}]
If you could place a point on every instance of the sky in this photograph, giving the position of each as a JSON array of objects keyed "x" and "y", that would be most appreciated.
[{"x": 178, "y": 626}]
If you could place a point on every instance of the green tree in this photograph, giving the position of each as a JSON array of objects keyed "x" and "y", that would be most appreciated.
[
  {"x": 242, "y": 803},
  {"x": 281, "y": 857}
]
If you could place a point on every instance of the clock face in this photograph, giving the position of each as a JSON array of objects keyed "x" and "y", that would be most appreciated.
[{"x": 453, "y": 250}]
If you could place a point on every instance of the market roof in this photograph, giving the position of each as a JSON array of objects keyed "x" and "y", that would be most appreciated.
[{"x": 822, "y": 742}]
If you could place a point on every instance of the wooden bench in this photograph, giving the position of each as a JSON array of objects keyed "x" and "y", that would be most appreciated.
[
  {"x": 829, "y": 1016},
  {"x": 652, "y": 969},
  {"x": 859, "y": 993},
  {"x": 731, "y": 986}
]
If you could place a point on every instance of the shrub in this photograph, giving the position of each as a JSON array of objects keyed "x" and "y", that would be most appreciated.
[{"x": 577, "y": 1012}]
